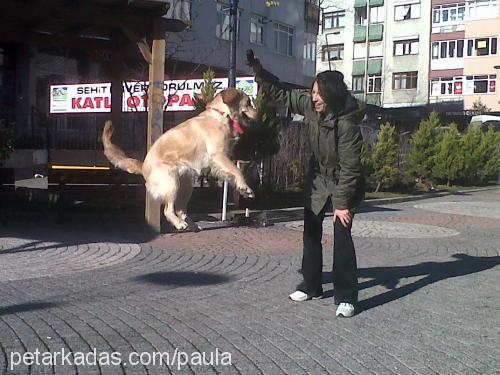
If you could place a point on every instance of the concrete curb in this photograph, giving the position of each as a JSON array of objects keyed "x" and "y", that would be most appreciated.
[{"x": 296, "y": 213}]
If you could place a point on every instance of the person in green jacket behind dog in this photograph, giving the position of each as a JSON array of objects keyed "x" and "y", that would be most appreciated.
[{"x": 335, "y": 175}]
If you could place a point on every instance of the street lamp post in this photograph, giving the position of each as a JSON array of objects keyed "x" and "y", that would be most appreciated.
[{"x": 233, "y": 21}]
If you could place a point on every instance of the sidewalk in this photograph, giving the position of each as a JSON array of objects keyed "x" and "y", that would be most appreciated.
[
  {"x": 428, "y": 280},
  {"x": 269, "y": 217}
]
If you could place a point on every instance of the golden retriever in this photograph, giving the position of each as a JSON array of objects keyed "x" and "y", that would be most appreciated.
[{"x": 200, "y": 143}]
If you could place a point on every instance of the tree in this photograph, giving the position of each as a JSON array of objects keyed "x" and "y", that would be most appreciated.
[
  {"x": 470, "y": 154},
  {"x": 447, "y": 160},
  {"x": 480, "y": 107},
  {"x": 6, "y": 140},
  {"x": 262, "y": 139},
  {"x": 366, "y": 161},
  {"x": 423, "y": 146},
  {"x": 207, "y": 91},
  {"x": 489, "y": 155},
  {"x": 385, "y": 156}
]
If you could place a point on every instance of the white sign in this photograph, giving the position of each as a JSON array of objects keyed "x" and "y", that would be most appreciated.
[{"x": 96, "y": 97}]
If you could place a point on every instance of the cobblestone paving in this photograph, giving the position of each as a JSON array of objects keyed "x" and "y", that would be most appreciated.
[
  {"x": 476, "y": 208},
  {"x": 381, "y": 229},
  {"x": 429, "y": 297}
]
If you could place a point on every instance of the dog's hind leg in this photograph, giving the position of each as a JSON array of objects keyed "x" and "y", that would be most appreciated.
[
  {"x": 183, "y": 197},
  {"x": 163, "y": 183}
]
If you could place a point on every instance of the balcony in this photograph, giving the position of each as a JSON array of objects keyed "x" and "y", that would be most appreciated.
[
  {"x": 373, "y": 99},
  {"x": 374, "y": 67},
  {"x": 312, "y": 17},
  {"x": 376, "y": 33}
]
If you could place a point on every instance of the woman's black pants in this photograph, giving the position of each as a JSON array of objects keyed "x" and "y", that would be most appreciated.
[{"x": 345, "y": 278}]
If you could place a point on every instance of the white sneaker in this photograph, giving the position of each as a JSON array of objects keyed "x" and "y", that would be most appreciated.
[
  {"x": 345, "y": 310},
  {"x": 300, "y": 296}
]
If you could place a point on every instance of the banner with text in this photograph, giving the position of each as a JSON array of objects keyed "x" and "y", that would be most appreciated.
[{"x": 96, "y": 97}]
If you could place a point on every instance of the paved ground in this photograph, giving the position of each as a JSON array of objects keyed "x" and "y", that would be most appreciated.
[{"x": 429, "y": 294}]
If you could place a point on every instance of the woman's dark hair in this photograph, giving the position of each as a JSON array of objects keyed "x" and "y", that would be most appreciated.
[{"x": 332, "y": 89}]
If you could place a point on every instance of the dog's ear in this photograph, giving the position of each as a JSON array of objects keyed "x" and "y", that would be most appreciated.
[{"x": 229, "y": 95}]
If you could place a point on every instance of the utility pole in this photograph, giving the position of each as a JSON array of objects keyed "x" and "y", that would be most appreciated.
[
  {"x": 233, "y": 22},
  {"x": 155, "y": 112},
  {"x": 367, "y": 57}
]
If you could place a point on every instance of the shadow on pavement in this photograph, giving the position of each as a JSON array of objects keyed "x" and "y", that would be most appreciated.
[
  {"x": 42, "y": 236},
  {"x": 366, "y": 208},
  {"x": 25, "y": 307},
  {"x": 432, "y": 272},
  {"x": 184, "y": 278}
]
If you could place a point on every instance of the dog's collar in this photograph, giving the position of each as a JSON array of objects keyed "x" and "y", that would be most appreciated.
[{"x": 236, "y": 126}]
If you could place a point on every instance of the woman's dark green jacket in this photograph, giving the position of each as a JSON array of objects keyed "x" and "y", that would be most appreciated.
[{"x": 335, "y": 167}]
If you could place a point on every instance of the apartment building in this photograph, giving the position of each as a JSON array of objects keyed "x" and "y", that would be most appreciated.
[
  {"x": 464, "y": 53},
  {"x": 439, "y": 52},
  {"x": 283, "y": 37},
  {"x": 391, "y": 70}
]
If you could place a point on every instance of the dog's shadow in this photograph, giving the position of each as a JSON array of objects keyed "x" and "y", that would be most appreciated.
[
  {"x": 184, "y": 278},
  {"x": 430, "y": 273}
]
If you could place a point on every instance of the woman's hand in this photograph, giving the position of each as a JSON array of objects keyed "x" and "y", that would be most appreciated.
[{"x": 345, "y": 217}]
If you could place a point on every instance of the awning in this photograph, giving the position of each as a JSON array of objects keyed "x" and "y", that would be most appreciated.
[{"x": 373, "y": 3}]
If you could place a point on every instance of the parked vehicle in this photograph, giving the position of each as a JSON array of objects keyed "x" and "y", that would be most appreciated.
[{"x": 486, "y": 120}]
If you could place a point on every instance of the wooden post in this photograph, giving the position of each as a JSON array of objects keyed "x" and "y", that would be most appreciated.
[
  {"x": 116, "y": 93},
  {"x": 155, "y": 113}
]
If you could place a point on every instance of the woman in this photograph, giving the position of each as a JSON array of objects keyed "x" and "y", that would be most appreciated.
[{"x": 335, "y": 176}]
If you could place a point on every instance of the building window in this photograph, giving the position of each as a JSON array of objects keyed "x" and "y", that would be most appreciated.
[
  {"x": 407, "y": 11},
  {"x": 482, "y": 47},
  {"x": 482, "y": 9},
  {"x": 360, "y": 16},
  {"x": 464, "y": 11},
  {"x": 283, "y": 36},
  {"x": 404, "y": 81},
  {"x": 376, "y": 50},
  {"x": 449, "y": 49},
  {"x": 374, "y": 84},
  {"x": 358, "y": 83},
  {"x": 448, "y": 14},
  {"x": 257, "y": 29},
  {"x": 485, "y": 46},
  {"x": 331, "y": 52},
  {"x": 453, "y": 86},
  {"x": 332, "y": 20},
  {"x": 406, "y": 47},
  {"x": 310, "y": 50},
  {"x": 447, "y": 86},
  {"x": 482, "y": 84},
  {"x": 377, "y": 15},
  {"x": 223, "y": 27}
]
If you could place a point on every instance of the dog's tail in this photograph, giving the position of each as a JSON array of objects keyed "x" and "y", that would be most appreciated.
[{"x": 116, "y": 155}]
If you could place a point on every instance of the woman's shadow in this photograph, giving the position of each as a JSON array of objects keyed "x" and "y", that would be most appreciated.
[{"x": 432, "y": 272}]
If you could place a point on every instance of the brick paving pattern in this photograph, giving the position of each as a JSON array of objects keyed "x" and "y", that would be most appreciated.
[{"x": 429, "y": 290}]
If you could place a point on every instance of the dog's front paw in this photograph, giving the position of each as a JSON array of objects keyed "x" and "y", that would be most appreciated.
[{"x": 246, "y": 191}]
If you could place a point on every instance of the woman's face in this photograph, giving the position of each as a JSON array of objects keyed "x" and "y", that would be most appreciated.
[{"x": 319, "y": 103}]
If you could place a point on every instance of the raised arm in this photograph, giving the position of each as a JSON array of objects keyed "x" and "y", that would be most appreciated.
[{"x": 298, "y": 101}]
